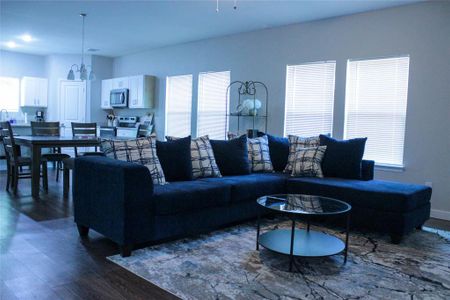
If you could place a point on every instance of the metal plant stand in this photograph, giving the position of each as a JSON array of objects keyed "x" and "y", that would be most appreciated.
[{"x": 249, "y": 90}]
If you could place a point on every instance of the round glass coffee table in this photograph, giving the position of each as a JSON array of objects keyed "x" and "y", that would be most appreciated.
[{"x": 303, "y": 242}]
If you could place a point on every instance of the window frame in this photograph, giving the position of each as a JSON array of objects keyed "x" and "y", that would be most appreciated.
[
  {"x": 167, "y": 102},
  {"x": 18, "y": 83},
  {"x": 227, "y": 100},
  {"x": 380, "y": 165},
  {"x": 333, "y": 90}
]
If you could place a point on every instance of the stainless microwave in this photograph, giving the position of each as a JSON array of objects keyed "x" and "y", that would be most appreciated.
[{"x": 118, "y": 98}]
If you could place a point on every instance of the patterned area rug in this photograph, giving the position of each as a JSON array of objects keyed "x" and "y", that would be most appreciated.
[{"x": 225, "y": 265}]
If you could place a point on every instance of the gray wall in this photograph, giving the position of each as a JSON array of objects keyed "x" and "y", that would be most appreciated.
[
  {"x": 103, "y": 68},
  {"x": 13, "y": 64},
  {"x": 420, "y": 30}
]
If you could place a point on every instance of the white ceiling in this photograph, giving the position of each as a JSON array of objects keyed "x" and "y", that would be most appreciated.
[{"x": 123, "y": 27}]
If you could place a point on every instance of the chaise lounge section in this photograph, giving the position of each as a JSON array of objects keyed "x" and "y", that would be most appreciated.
[{"x": 119, "y": 200}]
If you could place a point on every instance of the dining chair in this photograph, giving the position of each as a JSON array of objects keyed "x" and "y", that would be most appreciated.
[
  {"x": 15, "y": 162},
  {"x": 50, "y": 129},
  {"x": 84, "y": 130},
  {"x": 78, "y": 130}
]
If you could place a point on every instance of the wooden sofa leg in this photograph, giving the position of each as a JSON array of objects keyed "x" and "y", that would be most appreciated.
[
  {"x": 83, "y": 230},
  {"x": 396, "y": 238},
  {"x": 125, "y": 250}
]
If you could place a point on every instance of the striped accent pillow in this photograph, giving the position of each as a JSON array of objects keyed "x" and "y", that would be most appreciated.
[{"x": 141, "y": 151}]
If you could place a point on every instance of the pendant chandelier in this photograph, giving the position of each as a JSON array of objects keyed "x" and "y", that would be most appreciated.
[{"x": 82, "y": 67}]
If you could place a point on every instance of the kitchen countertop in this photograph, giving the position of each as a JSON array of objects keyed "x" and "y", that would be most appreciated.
[{"x": 21, "y": 125}]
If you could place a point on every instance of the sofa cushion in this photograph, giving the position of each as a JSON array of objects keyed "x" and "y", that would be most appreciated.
[
  {"x": 308, "y": 162},
  {"x": 232, "y": 156},
  {"x": 175, "y": 158},
  {"x": 375, "y": 194},
  {"x": 184, "y": 196},
  {"x": 299, "y": 142},
  {"x": 342, "y": 158},
  {"x": 259, "y": 154},
  {"x": 202, "y": 157},
  {"x": 279, "y": 152},
  {"x": 141, "y": 151},
  {"x": 250, "y": 187}
]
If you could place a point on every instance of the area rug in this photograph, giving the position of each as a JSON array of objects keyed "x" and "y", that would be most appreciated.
[{"x": 225, "y": 265}]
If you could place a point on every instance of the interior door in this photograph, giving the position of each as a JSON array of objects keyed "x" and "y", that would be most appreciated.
[{"x": 72, "y": 104}]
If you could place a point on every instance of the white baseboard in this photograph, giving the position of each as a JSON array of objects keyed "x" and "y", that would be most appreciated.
[{"x": 440, "y": 214}]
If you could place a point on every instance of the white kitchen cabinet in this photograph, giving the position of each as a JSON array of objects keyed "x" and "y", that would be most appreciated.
[
  {"x": 34, "y": 92},
  {"x": 106, "y": 90},
  {"x": 120, "y": 83},
  {"x": 141, "y": 91}
]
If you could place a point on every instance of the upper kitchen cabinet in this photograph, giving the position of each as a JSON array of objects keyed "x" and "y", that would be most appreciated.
[
  {"x": 141, "y": 91},
  {"x": 107, "y": 86},
  {"x": 34, "y": 92},
  {"x": 120, "y": 83}
]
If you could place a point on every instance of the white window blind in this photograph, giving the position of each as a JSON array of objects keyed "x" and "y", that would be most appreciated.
[
  {"x": 178, "y": 105},
  {"x": 9, "y": 95},
  {"x": 212, "y": 117},
  {"x": 309, "y": 98},
  {"x": 376, "y": 96}
]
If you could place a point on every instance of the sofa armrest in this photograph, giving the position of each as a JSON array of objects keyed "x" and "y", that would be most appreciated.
[
  {"x": 367, "y": 169},
  {"x": 112, "y": 197}
]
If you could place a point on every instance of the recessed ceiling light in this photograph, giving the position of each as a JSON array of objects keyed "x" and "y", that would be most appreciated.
[
  {"x": 11, "y": 44},
  {"x": 26, "y": 38}
]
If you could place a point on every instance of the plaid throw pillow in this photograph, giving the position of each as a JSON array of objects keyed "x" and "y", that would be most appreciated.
[
  {"x": 308, "y": 162},
  {"x": 299, "y": 142},
  {"x": 259, "y": 156},
  {"x": 141, "y": 151},
  {"x": 202, "y": 157}
]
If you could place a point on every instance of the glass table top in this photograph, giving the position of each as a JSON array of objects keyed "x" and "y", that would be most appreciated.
[{"x": 304, "y": 204}]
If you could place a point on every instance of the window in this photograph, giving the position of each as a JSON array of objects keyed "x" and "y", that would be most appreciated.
[
  {"x": 309, "y": 99},
  {"x": 212, "y": 104},
  {"x": 375, "y": 106},
  {"x": 9, "y": 96},
  {"x": 178, "y": 105}
]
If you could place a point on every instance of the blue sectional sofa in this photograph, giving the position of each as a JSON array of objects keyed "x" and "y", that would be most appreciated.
[{"x": 119, "y": 200}]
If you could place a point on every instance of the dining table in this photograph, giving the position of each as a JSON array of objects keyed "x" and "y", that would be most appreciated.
[{"x": 37, "y": 143}]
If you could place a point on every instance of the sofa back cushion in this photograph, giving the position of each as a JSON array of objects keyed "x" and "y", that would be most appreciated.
[
  {"x": 175, "y": 158},
  {"x": 343, "y": 158},
  {"x": 232, "y": 156},
  {"x": 279, "y": 152},
  {"x": 141, "y": 151}
]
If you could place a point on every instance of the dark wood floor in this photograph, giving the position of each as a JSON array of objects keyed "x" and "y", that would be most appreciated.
[{"x": 42, "y": 256}]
